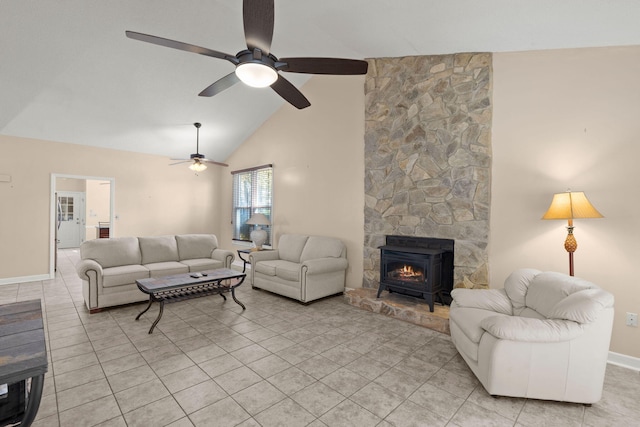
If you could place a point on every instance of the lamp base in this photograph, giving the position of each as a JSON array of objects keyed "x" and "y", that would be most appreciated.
[
  {"x": 570, "y": 246},
  {"x": 258, "y": 237}
]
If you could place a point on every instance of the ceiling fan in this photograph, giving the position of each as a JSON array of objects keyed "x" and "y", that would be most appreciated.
[
  {"x": 198, "y": 160},
  {"x": 256, "y": 66}
]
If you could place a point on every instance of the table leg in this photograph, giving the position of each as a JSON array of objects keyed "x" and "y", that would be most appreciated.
[
  {"x": 146, "y": 309},
  {"x": 221, "y": 290},
  {"x": 159, "y": 316},
  {"x": 33, "y": 402},
  {"x": 233, "y": 295}
]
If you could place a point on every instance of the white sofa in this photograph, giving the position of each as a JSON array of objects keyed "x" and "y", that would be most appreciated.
[
  {"x": 109, "y": 268},
  {"x": 305, "y": 268},
  {"x": 545, "y": 336}
]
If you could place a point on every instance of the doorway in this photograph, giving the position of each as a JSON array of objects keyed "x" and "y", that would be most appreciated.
[{"x": 85, "y": 203}]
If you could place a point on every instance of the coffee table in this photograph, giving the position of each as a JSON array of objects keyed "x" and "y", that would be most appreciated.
[
  {"x": 23, "y": 358},
  {"x": 179, "y": 287}
]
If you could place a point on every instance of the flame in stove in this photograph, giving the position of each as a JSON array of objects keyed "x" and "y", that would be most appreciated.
[{"x": 408, "y": 271}]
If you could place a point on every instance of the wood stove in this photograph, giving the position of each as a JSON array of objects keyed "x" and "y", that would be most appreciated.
[{"x": 417, "y": 266}]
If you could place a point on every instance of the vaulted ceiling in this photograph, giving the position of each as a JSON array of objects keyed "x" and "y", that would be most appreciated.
[{"x": 69, "y": 74}]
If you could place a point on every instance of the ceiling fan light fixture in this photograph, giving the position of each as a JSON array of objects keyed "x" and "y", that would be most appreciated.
[
  {"x": 197, "y": 166},
  {"x": 256, "y": 74}
]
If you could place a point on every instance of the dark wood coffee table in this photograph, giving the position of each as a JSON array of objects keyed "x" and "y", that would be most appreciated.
[
  {"x": 179, "y": 287},
  {"x": 23, "y": 358}
]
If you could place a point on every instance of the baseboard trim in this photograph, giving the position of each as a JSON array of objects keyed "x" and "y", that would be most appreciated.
[
  {"x": 624, "y": 361},
  {"x": 24, "y": 279}
]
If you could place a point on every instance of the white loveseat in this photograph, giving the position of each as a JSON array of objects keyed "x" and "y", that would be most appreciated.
[
  {"x": 109, "y": 268},
  {"x": 545, "y": 336},
  {"x": 305, "y": 268}
]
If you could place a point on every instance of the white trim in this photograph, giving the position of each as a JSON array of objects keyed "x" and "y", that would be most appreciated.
[
  {"x": 623, "y": 360},
  {"x": 25, "y": 279}
]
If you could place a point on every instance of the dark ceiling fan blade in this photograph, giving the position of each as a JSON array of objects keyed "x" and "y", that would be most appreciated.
[
  {"x": 181, "y": 46},
  {"x": 336, "y": 66},
  {"x": 290, "y": 93},
  {"x": 213, "y": 162},
  {"x": 224, "y": 83},
  {"x": 258, "y": 16}
]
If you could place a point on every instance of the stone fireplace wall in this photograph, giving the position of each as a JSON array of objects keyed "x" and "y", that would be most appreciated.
[{"x": 428, "y": 157}]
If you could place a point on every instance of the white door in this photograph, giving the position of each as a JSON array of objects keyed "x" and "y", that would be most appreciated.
[{"x": 71, "y": 219}]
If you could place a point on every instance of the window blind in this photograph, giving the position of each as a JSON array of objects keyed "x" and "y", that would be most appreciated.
[{"x": 252, "y": 193}]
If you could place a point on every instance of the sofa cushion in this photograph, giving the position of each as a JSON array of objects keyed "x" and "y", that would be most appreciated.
[
  {"x": 290, "y": 246},
  {"x": 288, "y": 270},
  {"x": 549, "y": 288},
  {"x": 495, "y": 300},
  {"x": 193, "y": 246},
  {"x": 267, "y": 268},
  {"x": 582, "y": 306},
  {"x": 321, "y": 247},
  {"x": 516, "y": 328},
  {"x": 469, "y": 320},
  {"x": 123, "y": 275},
  {"x": 202, "y": 264},
  {"x": 530, "y": 313},
  {"x": 283, "y": 269},
  {"x": 516, "y": 286},
  {"x": 158, "y": 249},
  {"x": 113, "y": 252},
  {"x": 168, "y": 268}
]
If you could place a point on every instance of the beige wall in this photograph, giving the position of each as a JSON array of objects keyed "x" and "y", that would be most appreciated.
[
  {"x": 318, "y": 167},
  {"x": 569, "y": 119},
  {"x": 151, "y": 198},
  {"x": 98, "y": 202}
]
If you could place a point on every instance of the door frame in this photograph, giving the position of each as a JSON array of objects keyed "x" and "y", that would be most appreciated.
[{"x": 53, "y": 211}]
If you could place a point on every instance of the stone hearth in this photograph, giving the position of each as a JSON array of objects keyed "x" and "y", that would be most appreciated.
[{"x": 402, "y": 307}]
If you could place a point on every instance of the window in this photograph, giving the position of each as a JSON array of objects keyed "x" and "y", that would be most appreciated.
[
  {"x": 65, "y": 208},
  {"x": 252, "y": 193}
]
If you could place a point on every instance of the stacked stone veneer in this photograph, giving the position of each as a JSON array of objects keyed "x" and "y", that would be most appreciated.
[{"x": 428, "y": 157}]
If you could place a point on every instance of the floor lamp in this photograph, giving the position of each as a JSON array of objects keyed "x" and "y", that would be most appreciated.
[{"x": 570, "y": 205}]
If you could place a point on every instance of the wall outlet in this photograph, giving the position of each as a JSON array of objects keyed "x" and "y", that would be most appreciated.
[{"x": 632, "y": 319}]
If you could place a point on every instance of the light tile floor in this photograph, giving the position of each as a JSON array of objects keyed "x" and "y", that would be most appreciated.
[{"x": 278, "y": 363}]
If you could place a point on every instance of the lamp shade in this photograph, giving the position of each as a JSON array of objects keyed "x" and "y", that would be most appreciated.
[
  {"x": 258, "y": 219},
  {"x": 571, "y": 205}
]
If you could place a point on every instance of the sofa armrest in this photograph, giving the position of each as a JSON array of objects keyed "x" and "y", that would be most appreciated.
[
  {"x": 486, "y": 299},
  {"x": 325, "y": 265},
  {"x": 90, "y": 272},
  {"x": 257, "y": 256},
  {"x": 88, "y": 265},
  {"x": 223, "y": 255},
  {"x": 527, "y": 329}
]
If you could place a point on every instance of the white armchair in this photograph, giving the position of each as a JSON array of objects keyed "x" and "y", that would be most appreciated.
[{"x": 545, "y": 336}]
